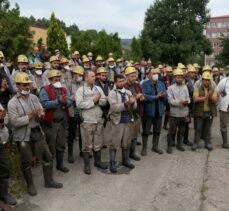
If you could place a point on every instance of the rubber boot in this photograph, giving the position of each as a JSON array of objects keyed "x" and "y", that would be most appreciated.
[
  {"x": 208, "y": 145},
  {"x": 173, "y": 139},
  {"x": 87, "y": 167},
  {"x": 185, "y": 136},
  {"x": 155, "y": 145},
  {"x": 59, "y": 162},
  {"x": 48, "y": 177},
  {"x": 113, "y": 167},
  {"x": 166, "y": 120},
  {"x": 125, "y": 159},
  {"x": 70, "y": 151},
  {"x": 5, "y": 196},
  {"x": 97, "y": 160},
  {"x": 195, "y": 144},
  {"x": 29, "y": 181},
  {"x": 169, "y": 146},
  {"x": 80, "y": 144},
  {"x": 144, "y": 145},
  {"x": 133, "y": 150},
  {"x": 224, "y": 137},
  {"x": 179, "y": 143}
]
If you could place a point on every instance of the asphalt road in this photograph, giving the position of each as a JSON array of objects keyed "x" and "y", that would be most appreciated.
[{"x": 182, "y": 181}]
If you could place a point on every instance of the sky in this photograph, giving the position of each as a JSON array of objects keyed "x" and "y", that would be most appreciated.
[{"x": 123, "y": 16}]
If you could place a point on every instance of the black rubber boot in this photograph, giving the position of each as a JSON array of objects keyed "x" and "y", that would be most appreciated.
[
  {"x": 97, "y": 160},
  {"x": 29, "y": 181},
  {"x": 144, "y": 145},
  {"x": 5, "y": 196},
  {"x": 166, "y": 120},
  {"x": 125, "y": 159},
  {"x": 113, "y": 167},
  {"x": 185, "y": 137},
  {"x": 224, "y": 137},
  {"x": 180, "y": 146},
  {"x": 48, "y": 177},
  {"x": 133, "y": 150},
  {"x": 59, "y": 162},
  {"x": 208, "y": 145},
  {"x": 87, "y": 167},
  {"x": 70, "y": 151},
  {"x": 155, "y": 145},
  {"x": 169, "y": 146}
]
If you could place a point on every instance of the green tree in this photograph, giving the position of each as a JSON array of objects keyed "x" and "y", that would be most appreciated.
[
  {"x": 136, "y": 51},
  {"x": 56, "y": 38},
  {"x": 173, "y": 30},
  {"x": 223, "y": 59},
  {"x": 16, "y": 38},
  {"x": 39, "y": 42}
]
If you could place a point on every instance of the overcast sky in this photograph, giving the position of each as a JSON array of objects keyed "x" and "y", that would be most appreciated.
[{"x": 123, "y": 16}]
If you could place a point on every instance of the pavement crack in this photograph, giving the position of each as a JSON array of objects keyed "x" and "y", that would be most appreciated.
[{"x": 204, "y": 187}]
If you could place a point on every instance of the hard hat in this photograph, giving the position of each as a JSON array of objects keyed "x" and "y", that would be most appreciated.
[
  {"x": 158, "y": 71},
  {"x": 160, "y": 66},
  {"x": 149, "y": 61},
  {"x": 131, "y": 62},
  {"x": 196, "y": 65},
  {"x": 110, "y": 54},
  {"x": 180, "y": 66},
  {"x": 53, "y": 58},
  {"x": 191, "y": 69},
  {"x": 78, "y": 69},
  {"x": 1, "y": 54},
  {"x": 63, "y": 60},
  {"x": 101, "y": 70},
  {"x": 57, "y": 50},
  {"x": 119, "y": 60},
  {"x": 177, "y": 72},
  {"x": 37, "y": 65},
  {"x": 99, "y": 58},
  {"x": 207, "y": 68},
  {"x": 169, "y": 69},
  {"x": 89, "y": 54},
  {"x": 53, "y": 73},
  {"x": 111, "y": 59},
  {"x": 215, "y": 69},
  {"x": 76, "y": 53},
  {"x": 22, "y": 77},
  {"x": 85, "y": 59},
  {"x": 46, "y": 65},
  {"x": 22, "y": 58},
  {"x": 206, "y": 75},
  {"x": 130, "y": 69},
  {"x": 136, "y": 63}
]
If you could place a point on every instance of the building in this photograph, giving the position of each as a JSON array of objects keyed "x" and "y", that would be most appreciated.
[
  {"x": 214, "y": 29},
  {"x": 39, "y": 33}
]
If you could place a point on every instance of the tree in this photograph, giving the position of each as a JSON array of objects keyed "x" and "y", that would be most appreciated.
[
  {"x": 39, "y": 42},
  {"x": 136, "y": 52},
  {"x": 56, "y": 38},
  {"x": 223, "y": 59},
  {"x": 16, "y": 38},
  {"x": 173, "y": 30}
]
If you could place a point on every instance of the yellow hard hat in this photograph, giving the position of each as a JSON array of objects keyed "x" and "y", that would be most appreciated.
[
  {"x": 37, "y": 65},
  {"x": 158, "y": 71},
  {"x": 110, "y": 54},
  {"x": 22, "y": 58},
  {"x": 207, "y": 68},
  {"x": 130, "y": 69},
  {"x": 85, "y": 59},
  {"x": 177, "y": 72},
  {"x": 111, "y": 59},
  {"x": 54, "y": 73},
  {"x": 101, "y": 70},
  {"x": 99, "y": 58},
  {"x": 76, "y": 53},
  {"x": 206, "y": 75},
  {"x": 215, "y": 69},
  {"x": 180, "y": 66},
  {"x": 169, "y": 69},
  {"x": 63, "y": 60},
  {"x": 131, "y": 62},
  {"x": 119, "y": 60},
  {"x": 136, "y": 63},
  {"x": 89, "y": 54},
  {"x": 53, "y": 58},
  {"x": 191, "y": 69},
  {"x": 149, "y": 61},
  {"x": 22, "y": 77},
  {"x": 78, "y": 69},
  {"x": 196, "y": 65},
  {"x": 1, "y": 54},
  {"x": 160, "y": 66}
]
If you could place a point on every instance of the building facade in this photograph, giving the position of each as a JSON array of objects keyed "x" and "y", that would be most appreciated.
[{"x": 216, "y": 27}]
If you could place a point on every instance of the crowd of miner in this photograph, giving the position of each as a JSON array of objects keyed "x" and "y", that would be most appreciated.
[{"x": 46, "y": 96}]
